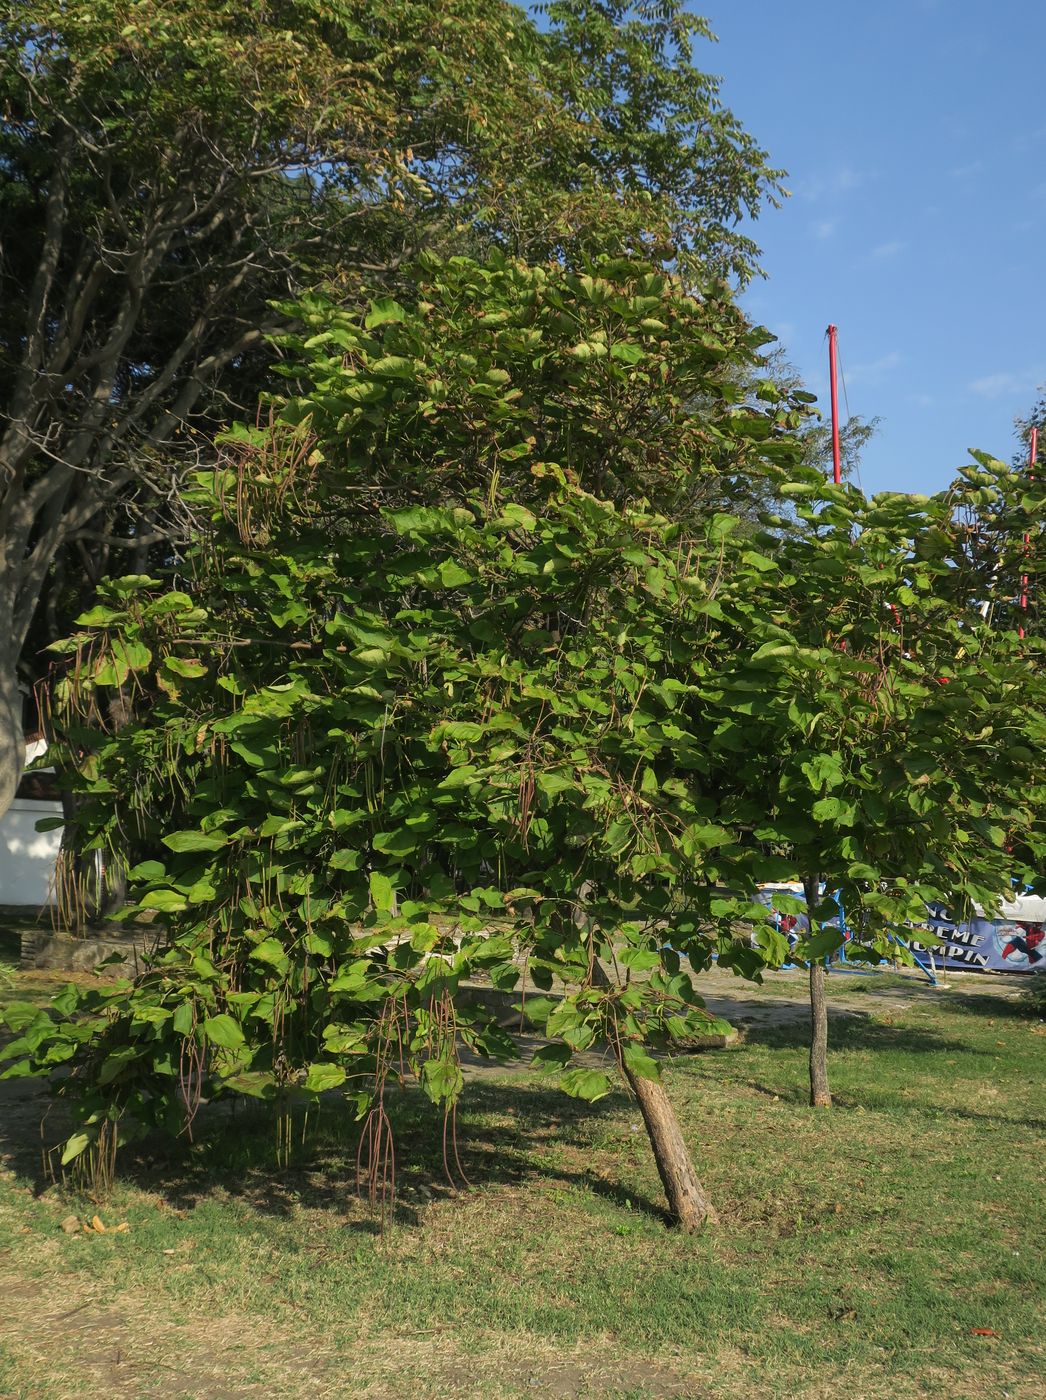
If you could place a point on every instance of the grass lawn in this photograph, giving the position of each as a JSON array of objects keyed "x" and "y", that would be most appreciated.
[{"x": 861, "y": 1252}]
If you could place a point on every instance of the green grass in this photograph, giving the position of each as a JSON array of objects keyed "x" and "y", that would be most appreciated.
[{"x": 857, "y": 1252}]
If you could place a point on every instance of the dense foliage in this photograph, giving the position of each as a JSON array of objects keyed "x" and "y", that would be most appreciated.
[
  {"x": 171, "y": 170},
  {"x": 471, "y": 676},
  {"x": 421, "y": 706}
]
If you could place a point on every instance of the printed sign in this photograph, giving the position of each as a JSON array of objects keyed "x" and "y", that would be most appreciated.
[
  {"x": 1016, "y": 943},
  {"x": 988, "y": 945}
]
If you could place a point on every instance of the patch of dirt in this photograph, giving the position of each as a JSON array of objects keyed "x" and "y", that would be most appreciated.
[
  {"x": 75, "y": 1339},
  {"x": 509, "y": 1366},
  {"x": 80, "y": 1340}
]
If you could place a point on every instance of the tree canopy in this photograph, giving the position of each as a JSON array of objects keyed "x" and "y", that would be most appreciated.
[
  {"x": 418, "y": 704},
  {"x": 470, "y": 675},
  {"x": 171, "y": 170}
]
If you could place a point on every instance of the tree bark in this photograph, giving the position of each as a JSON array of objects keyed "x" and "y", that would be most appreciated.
[
  {"x": 12, "y": 740},
  {"x": 688, "y": 1203},
  {"x": 820, "y": 1094}
]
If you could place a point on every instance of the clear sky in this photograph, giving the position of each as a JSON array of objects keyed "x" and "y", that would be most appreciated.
[{"x": 914, "y": 134}]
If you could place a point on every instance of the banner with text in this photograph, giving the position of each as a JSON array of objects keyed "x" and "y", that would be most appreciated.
[{"x": 988, "y": 945}]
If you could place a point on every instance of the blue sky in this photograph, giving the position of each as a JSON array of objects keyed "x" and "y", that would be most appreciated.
[{"x": 914, "y": 134}]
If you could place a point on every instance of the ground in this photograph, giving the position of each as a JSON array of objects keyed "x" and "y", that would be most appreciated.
[{"x": 888, "y": 1248}]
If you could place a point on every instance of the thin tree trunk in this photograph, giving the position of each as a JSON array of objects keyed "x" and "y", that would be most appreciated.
[
  {"x": 820, "y": 1094},
  {"x": 688, "y": 1203}
]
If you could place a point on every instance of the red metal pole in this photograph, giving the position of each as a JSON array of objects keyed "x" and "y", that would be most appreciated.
[
  {"x": 1033, "y": 452},
  {"x": 837, "y": 474}
]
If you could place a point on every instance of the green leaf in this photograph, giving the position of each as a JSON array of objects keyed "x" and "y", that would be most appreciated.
[
  {"x": 75, "y": 1146},
  {"x": 453, "y": 575},
  {"x": 861, "y": 871},
  {"x": 639, "y": 959},
  {"x": 271, "y": 951},
  {"x": 824, "y": 770},
  {"x": 382, "y": 891},
  {"x": 183, "y": 1018},
  {"x": 164, "y": 901},
  {"x": 259, "y": 1084},
  {"x": 396, "y": 843},
  {"x": 351, "y": 977},
  {"x": 182, "y": 841},
  {"x": 223, "y": 1031},
  {"x": 550, "y": 1059},
  {"x": 133, "y": 654},
  {"x": 553, "y": 783},
  {"x": 821, "y": 945},
  {"x": 442, "y": 1080},
  {"x": 147, "y": 870},
  {"x": 112, "y": 673},
  {"x": 640, "y": 1063},
  {"x": 722, "y": 525},
  {"x": 19, "y": 1014},
  {"x": 538, "y": 1009},
  {"x": 324, "y": 1076},
  {"x": 383, "y": 310},
  {"x": 587, "y": 1084},
  {"x": 517, "y": 516},
  {"x": 99, "y": 616},
  {"x": 201, "y": 892},
  {"x": 113, "y": 1065},
  {"x": 188, "y": 667},
  {"x": 393, "y": 367}
]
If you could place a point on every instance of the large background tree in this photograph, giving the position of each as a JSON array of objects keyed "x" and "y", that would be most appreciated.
[{"x": 172, "y": 169}]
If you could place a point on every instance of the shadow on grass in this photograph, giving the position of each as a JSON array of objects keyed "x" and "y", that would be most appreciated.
[
  {"x": 506, "y": 1136},
  {"x": 1017, "y": 1006},
  {"x": 858, "y": 1030},
  {"x": 843, "y": 1102}
]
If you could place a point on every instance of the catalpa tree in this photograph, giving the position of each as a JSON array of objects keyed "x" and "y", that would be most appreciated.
[
  {"x": 423, "y": 706},
  {"x": 879, "y": 733}
]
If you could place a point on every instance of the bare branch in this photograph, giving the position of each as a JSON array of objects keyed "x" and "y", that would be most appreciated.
[
  {"x": 43, "y": 282},
  {"x": 118, "y": 541}
]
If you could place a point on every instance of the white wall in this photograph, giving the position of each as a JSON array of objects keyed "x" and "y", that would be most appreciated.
[{"x": 27, "y": 856}]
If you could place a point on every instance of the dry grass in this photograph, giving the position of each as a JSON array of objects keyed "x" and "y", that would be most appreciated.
[{"x": 859, "y": 1255}]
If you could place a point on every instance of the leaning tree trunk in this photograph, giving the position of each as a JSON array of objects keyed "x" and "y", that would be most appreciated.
[
  {"x": 12, "y": 740},
  {"x": 688, "y": 1203},
  {"x": 820, "y": 1094}
]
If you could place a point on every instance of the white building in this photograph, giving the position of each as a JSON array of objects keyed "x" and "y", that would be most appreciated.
[{"x": 27, "y": 856}]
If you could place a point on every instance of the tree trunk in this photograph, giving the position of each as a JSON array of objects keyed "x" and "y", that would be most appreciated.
[
  {"x": 93, "y": 883},
  {"x": 820, "y": 1094},
  {"x": 688, "y": 1204},
  {"x": 12, "y": 740}
]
